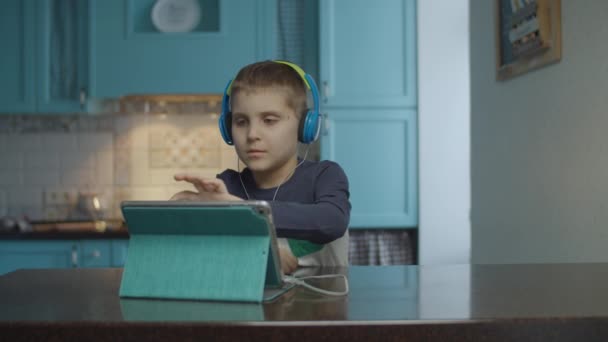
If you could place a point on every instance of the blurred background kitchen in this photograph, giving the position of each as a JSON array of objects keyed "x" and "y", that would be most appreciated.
[
  {"x": 104, "y": 101},
  {"x": 446, "y": 163}
]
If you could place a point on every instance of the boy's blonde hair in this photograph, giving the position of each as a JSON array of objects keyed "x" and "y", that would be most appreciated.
[{"x": 267, "y": 74}]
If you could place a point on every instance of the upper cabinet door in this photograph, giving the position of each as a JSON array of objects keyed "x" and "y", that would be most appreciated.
[
  {"x": 130, "y": 55},
  {"x": 363, "y": 46},
  {"x": 62, "y": 55},
  {"x": 17, "y": 33}
]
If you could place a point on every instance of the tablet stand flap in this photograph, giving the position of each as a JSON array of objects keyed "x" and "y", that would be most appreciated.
[{"x": 202, "y": 267}]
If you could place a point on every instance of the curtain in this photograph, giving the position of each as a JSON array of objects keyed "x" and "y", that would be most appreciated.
[
  {"x": 381, "y": 247},
  {"x": 291, "y": 31}
]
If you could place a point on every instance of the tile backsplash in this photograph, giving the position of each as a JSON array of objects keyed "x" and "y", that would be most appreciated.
[{"x": 47, "y": 160}]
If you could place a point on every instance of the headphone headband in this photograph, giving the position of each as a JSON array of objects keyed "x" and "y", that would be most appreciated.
[{"x": 297, "y": 69}]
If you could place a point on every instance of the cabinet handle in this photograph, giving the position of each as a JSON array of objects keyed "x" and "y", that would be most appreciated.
[
  {"x": 74, "y": 256},
  {"x": 325, "y": 125},
  {"x": 325, "y": 91}
]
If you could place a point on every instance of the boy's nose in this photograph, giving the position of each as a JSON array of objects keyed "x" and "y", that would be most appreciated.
[{"x": 253, "y": 132}]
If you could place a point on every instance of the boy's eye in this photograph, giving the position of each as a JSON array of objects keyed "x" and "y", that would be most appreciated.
[
  {"x": 240, "y": 122},
  {"x": 270, "y": 120}
]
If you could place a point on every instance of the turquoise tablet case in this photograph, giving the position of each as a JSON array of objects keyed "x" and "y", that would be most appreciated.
[{"x": 181, "y": 250}]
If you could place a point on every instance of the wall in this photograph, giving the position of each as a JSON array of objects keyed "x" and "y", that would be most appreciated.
[
  {"x": 539, "y": 152},
  {"x": 443, "y": 112},
  {"x": 48, "y": 159}
]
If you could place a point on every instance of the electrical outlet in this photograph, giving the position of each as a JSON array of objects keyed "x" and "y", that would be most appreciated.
[{"x": 60, "y": 197}]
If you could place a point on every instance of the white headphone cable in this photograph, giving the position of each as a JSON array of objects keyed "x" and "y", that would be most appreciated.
[{"x": 301, "y": 282}]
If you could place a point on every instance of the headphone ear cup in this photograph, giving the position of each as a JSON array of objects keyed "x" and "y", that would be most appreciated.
[
  {"x": 309, "y": 127},
  {"x": 225, "y": 120},
  {"x": 301, "y": 126},
  {"x": 225, "y": 123}
]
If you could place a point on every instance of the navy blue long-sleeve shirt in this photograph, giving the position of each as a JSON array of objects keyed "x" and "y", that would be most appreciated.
[{"x": 312, "y": 205}]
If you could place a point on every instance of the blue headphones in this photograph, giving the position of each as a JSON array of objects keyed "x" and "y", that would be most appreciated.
[{"x": 310, "y": 123}]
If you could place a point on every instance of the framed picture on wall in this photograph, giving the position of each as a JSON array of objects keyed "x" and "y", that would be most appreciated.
[{"x": 528, "y": 36}]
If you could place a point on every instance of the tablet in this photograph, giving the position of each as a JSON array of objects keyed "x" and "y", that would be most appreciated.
[{"x": 202, "y": 250}]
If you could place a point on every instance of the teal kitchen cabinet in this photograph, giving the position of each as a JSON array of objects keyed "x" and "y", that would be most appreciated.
[
  {"x": 119, "y": 252},
  {"x": 17, "y": 33},
  {"x": 376, "y": 147},
  {"x": 16, "y": 254},
  {"x": 63, "y": 63},
  {"x": 37, "y": 254},
  {"x": 102, "y": 253},
  {"x": 44, "y": 64},
  {"x": 129, "y": 55},
  {"x": 367, "y": 62}
]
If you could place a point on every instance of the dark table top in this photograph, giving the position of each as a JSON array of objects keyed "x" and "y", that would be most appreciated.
[{"x": 464, "y": 302}]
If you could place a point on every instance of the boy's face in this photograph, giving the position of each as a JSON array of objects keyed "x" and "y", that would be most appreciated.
[{"x": 264, "y": 130}]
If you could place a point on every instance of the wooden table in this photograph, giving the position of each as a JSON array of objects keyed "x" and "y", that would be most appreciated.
[{"x": 544, "y": 302}]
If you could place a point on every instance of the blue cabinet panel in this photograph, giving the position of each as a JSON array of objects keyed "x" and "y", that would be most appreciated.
[
  {"x": 119, "y": 252},
  {"x": 37, "y": 254},
  {"x": 378, "y": 150},
  {"x": 62, "y": 62},
  {"x": 43, "y": 63},
  {"x": 129, "y": 59},
  {"x": 95, "y": 253},
  {"x": 17, "y": 33},
  {"x": 16, "y": 254},
  {"x": 58, "y": 54},
  {"x": 367, "y": 57},
  {"x": 368, "y": 53}
]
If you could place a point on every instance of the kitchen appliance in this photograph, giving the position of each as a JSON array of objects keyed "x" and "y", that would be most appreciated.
[{"x": 89, "y": 206}]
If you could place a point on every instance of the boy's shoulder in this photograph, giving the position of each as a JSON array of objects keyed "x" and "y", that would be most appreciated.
[
  {"x": 323, "y": 167},
  {"x": 320, "y": 165}
]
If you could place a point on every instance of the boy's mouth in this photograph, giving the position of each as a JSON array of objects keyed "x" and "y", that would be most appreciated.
[{"x": 255, "y": 153}]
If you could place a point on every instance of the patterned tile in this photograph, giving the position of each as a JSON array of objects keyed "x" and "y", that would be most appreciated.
[{"x": 131, "y": 150}]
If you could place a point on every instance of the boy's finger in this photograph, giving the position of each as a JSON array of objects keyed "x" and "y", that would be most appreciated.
[
  {"x": 198, "y": 182},
  {"x": 203, "y": 184},
  {"x": 217, "y": 185},
  {"x": 184, "y": 196},
  {"x": 209, "y": 187},
  {"x": 180, "y": 176}
]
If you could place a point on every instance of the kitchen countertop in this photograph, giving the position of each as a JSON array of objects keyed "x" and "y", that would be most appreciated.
[
  {"x": 526, "y": 302},
  {"x": 70, "y": 230},
  {"x": 76, "y": 235}
]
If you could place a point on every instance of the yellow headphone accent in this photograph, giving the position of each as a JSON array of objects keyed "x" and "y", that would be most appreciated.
[{"x": 297, "y": 69}]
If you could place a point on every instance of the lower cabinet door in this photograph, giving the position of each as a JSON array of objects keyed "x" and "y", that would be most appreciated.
[
  {"x": 119, "y": 252},
  {"x": 16, "y": 255},
  {"x": 377, "y": 148},
  {"x": 95, "y": 253}
]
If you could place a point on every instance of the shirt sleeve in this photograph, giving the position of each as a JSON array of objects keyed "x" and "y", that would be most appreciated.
[{"x": 324, "y": 220}]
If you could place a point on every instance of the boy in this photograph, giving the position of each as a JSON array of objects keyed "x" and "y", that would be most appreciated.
[{"x": 265, "y": 114}]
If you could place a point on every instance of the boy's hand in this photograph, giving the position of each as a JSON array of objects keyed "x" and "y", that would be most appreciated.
[
  {"x": 209, "y": 189},
  {"x": 289, "y": 263}
]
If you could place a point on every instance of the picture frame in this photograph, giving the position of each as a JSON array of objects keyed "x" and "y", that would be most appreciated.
[{"x": 528, "y": 36}]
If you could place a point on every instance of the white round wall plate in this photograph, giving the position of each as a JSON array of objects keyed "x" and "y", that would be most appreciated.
[{"x": 176, "y": 15}]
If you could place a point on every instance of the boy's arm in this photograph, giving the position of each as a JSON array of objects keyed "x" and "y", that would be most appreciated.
[{"x": 320, "y": 222}]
